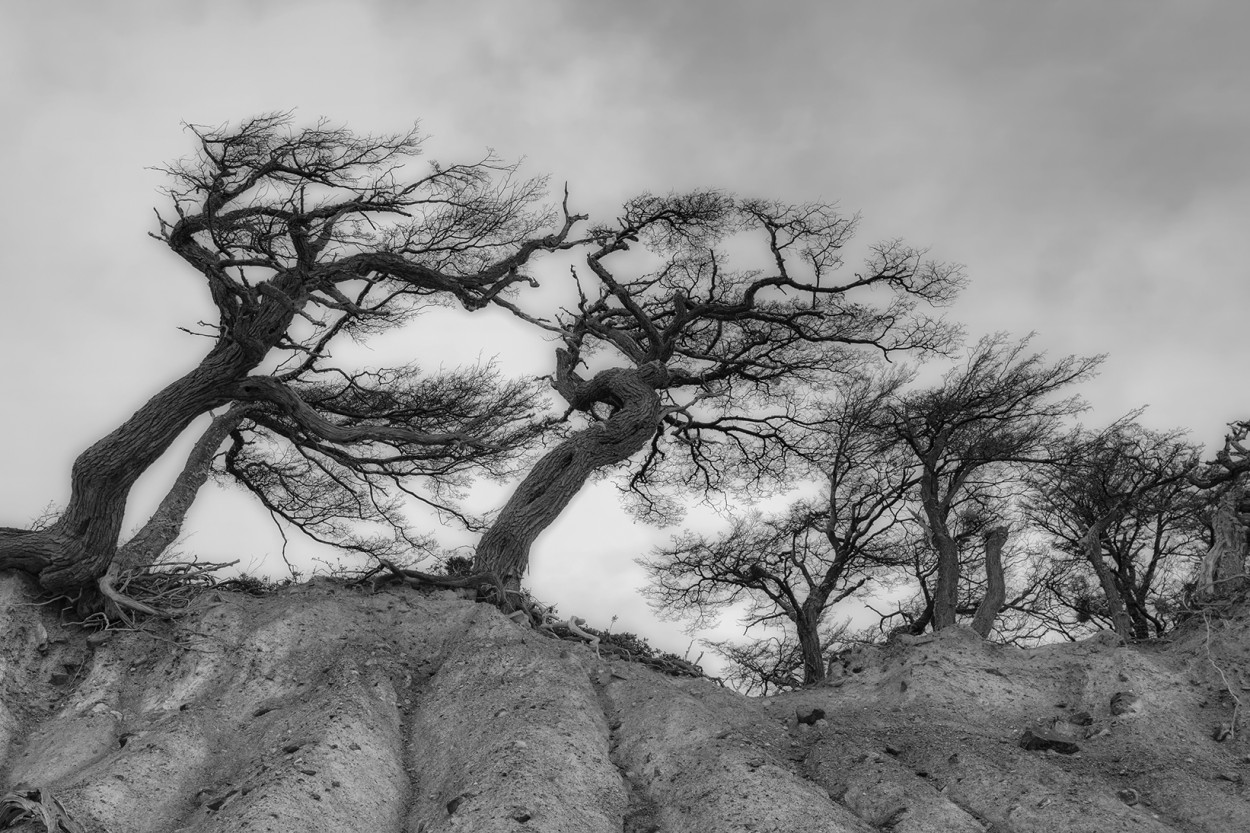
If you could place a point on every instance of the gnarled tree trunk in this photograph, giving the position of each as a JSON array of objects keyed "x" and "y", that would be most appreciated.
[
  {"x": 995, "y": 585},
  {"x": 562, "y": 472},
  {"x": 1223, "y": 568},
  {"x": 79, "y": 546}
]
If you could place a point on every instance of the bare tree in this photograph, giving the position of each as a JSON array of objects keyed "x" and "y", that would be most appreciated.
[
  {"x": 1121, "y": 504},
  {"x": 302, "y": 235},
  {"x": 773, "y": 663},
  {"x": 998, "y": 408},
  {"x": 793, "y": 567},
  {"x": 978, "y": 524},
  {"x": 695, "y": 358}
]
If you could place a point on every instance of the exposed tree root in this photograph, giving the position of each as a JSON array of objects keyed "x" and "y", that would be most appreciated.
[
  {"x": 106, "y": 584},
  {"x": 162, "y": 590},
  {"x": 486, "y": 584},
  {"x": 27, "y": 803}
]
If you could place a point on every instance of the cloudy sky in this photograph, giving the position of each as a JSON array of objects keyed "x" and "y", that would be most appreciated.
[{"x": 1086, "y": 161}]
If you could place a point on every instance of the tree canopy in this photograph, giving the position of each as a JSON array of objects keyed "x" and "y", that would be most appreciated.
[
  {"x": 304, "y": 236},
  {"x": 705, "y": 343}
]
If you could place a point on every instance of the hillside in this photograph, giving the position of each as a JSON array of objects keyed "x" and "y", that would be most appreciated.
[{"x": 326, "y": 708}]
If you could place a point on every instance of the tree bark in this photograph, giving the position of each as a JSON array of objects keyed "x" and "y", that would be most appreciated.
[
  {"x": 807, "y": 625},
  {"x": 1120, "y": 620},
  {"x": 995, "y": 585},
  {"x": 165, "y": 525},
  {"x": 78, "y": 547},
  {"x": 946, "y": 593},
  {"x": 561, "y": 472},
  {"x": 1223, "y": 569}
]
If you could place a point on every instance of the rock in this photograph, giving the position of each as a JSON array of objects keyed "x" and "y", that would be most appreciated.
[
  {"x": 1034, "y": 739},
  {"x": 1234, "y": 777},
  {"x": 1125, "y": 702},
  {"x": 1062, "y": 728},
  {"x": 1129, "y": 796},
  {"x": 811, "y": 717},
  {"x": 1080, "y": 718}
]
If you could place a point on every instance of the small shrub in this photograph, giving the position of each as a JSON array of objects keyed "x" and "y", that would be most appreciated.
[
  {"x": 458, "y": 565},
  {"x": 637, "y": 646},
  {"x": 252, "y": 585}
]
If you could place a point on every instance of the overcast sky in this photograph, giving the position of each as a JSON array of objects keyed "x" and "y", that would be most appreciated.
[{"x": 1086, "y": 161}]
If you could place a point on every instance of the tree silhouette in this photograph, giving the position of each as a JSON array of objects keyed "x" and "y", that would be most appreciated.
[
  {"x": 304, "y": 236},
  {"x": 998, "y": 408},
  {"x": 792, "y": 567},
  {"x": 1121, "y": 505},
  {"x": 690, "y": 358}
]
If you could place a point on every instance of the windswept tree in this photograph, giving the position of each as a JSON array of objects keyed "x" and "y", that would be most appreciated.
[
  {"x": 980, "y": 525},
  {"x": 675, "y": 353},
  {"x": 791, "y": 568},
  {"x": 1000, "y": 408},
  {"x": 1120, "y": 509},
  {"x": 1223, "y": 570},
  {"x": 302, "y": 236}
]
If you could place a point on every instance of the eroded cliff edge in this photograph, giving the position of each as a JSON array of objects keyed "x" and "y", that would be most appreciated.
[{"x": 325, "y": 708}]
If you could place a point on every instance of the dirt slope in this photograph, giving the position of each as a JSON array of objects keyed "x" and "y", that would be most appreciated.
[{"x": 324, "y": 708}]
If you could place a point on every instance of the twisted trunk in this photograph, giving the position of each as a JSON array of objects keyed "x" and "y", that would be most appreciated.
[
  {"x": 1223, "y": 568},
  {"x": 995, "y": 585},
  {"x": 561, "y": 472},
  {"x": 79, "y": 546}
]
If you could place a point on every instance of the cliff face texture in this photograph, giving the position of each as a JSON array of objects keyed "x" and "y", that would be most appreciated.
[{"x": 324, "y": 708}]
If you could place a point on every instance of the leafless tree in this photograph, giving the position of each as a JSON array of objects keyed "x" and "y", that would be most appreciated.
[
  {"x": 793, "y": 567},
  {"x": 773, "y": 663},
  {"x": 979, "y": 524},
  {"x": 1121, "y": 505},
  {"x": 998, "y": 408},
  {"x": 688, "y": 356},
  {"x": 302, "y": 236}
]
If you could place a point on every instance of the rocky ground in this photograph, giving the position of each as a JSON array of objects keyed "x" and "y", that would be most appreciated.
[{"x": 326, "y": 708}]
